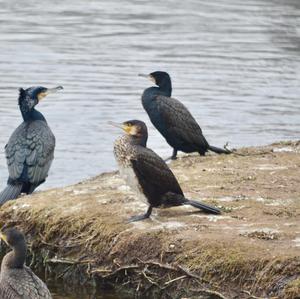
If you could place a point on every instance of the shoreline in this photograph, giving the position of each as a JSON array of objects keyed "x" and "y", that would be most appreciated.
[{"x": 79, "y": 233}]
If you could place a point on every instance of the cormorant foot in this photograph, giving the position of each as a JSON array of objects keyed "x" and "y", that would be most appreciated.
[
  {"x": 138, "y": 218},
  {"x": 141, "y": 217},
  {"x": 173, "y": 157},
  {"x": 170, "y": 158}
]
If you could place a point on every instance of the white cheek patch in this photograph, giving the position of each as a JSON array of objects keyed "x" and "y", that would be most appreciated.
[
  {"x": 41, "y": 95},
  {"x": 133, "y": 131},
  {"x": 152, "y": 79}
]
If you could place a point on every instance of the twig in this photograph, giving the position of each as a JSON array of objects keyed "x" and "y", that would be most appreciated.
[
  {"x": 252, "y": 296},
  {"x": 175, "y": 279},
  {"x": 188, "y": 273},
  {"x": 169, "y": 267},
  {"x": 151, "y": 281},
  {"x": 114, "y": 272},
  {"x": 65, "y": 261},
  {"x": 58, "y": 246},
  {"x": 164, "y": 266},
  {"x": 63, "y": 272},
  {"x": 210, "y": 292}
]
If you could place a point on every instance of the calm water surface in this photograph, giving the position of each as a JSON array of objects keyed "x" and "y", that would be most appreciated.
[{"x": 235, "y": 64}]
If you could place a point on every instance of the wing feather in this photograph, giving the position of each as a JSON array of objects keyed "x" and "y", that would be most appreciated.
[
  {"x": 30, "y": 145},
  {"x": 23, "y": 283},
  {"x": 42, "y": 152},
  {"x": 179, "y": 122},
  {"x": 154, "y": 175}
]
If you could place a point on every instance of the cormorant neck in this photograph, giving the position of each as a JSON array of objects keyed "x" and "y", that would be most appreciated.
[
  {"x": 30, "y": 115},
  {"x": 16, "y": 258},
  {"x": 150, "y": 94},
  {"x": 138, "y": 140},
  {"x": 166, "y": 87}
]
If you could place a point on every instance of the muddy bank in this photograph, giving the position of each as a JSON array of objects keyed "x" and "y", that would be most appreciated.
[{"x": 79, "y": 233}]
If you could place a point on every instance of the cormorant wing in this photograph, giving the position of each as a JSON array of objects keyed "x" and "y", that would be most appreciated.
[
  {"x": 15, "y": 151},
  {"x": 23, "y": 283},
  {"x": 179, "y": 122},
  {"x": 33, "y": 148},
  {"x": 154, "y": 175}
]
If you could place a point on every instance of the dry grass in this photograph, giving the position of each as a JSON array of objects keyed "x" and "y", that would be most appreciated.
[{"x": 79, "y": 233}]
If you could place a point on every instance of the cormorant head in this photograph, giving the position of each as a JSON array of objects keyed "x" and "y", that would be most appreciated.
[
  {"x": 161, "y": 79},
  {"x": 12, "y": 237},
  {"x": 136, "y": 129},
  {"x": 31, "y": 96}
]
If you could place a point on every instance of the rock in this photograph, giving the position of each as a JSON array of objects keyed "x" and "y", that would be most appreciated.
[{"x": 80, "y": 232}]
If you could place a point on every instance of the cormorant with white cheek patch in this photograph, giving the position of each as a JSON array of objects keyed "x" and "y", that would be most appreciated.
[
  {"x": 148, "y": 174},
  {"x": 172, "y": 119}
]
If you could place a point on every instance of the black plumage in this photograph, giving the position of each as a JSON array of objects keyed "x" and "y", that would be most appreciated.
[
  {"x": 148, "y": 174},
  {"x": 17, "y": 281},
  {"x": 172, "y": 119},
  {"x": 30, "y": 149}
]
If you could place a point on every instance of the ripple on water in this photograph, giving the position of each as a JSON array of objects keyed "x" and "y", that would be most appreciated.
[{"x": 235, "y": 64}]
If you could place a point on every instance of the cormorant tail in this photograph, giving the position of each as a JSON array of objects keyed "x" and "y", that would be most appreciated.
[
  {"x": 10, "y": 192},
  {"x": 219, "y": 150},
  {"x": 200, "y": 205}
]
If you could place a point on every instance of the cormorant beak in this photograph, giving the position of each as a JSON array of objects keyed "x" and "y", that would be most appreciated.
[
  {"x": 114, "y": 124},
  {"x": 49, "y": 91},
  {"x": 3, "y": 237},
  {"x": 150, "y": 77},
  {"x": 122, "y": 126}
]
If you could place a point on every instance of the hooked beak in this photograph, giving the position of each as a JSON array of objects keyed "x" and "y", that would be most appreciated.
[
  {"x": 143, "y": 75},
  {"x": 49, "y": 91},
  {"x": 53, "y": 90}
]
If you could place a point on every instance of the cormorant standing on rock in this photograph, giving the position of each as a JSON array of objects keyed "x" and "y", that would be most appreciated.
[
  {"x": 172, "y": 119},
  {"x": 29, "y": 151},
  {"x": 17, "y": 281},
  {"x": 148, "y": 174}
]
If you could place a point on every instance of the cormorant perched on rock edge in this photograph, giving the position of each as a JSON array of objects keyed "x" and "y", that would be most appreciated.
[
  {"x": 29, "y": 151},
  {"x": 148, "y": 174},
  {"x": 172, "y": 119},
  {"x": 17, "y": 281}
]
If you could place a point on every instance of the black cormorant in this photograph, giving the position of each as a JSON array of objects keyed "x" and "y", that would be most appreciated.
[
  {"x": 29, "y": 151},
  {"x": 17, "y": 281},
  {"x": 172, "y": 119},
  {"x": 148, "y": 174}
]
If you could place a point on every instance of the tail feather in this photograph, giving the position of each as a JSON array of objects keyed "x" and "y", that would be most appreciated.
[
  {"x": 219, "y": 150},
  {"x": 10, "y": 192},
  {"x": 205, "y": 207}
]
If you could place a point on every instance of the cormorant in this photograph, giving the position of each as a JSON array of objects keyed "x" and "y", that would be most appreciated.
[
  {"x": 148, "y": 174},
  {"x": 29, "y": 151},
  {"x": 17, "y": 281},
  {"x": 172, "y": 119}
]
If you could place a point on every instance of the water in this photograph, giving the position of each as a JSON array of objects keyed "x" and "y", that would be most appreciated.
[
  {"x": 235, "y": 64},
  {"x": 59, "y": 291}
]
